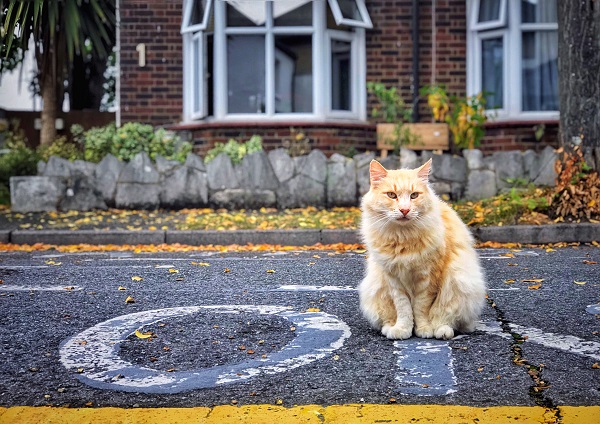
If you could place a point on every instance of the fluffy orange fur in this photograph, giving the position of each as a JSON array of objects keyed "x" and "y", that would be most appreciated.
[{"x": 423, "y": 274}]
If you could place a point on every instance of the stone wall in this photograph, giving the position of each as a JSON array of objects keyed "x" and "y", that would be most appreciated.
[{"x": 273, "y": 180}]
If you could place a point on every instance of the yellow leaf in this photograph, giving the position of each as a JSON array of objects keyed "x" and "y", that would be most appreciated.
[
  {"x": 508, "y": 255},
  {"x": 201, "y": 263},
  {"x": 550, "y": 250},
  {"x": 141, "y": 335},
  {"x": 590, "y": 262},
  {"x": 136, "y": 278},
  {"x": 129, "y": 300},
  {"x": 270, "y": 271},
  {"x": 581, "y": 283},
  {"x": 534, "y": 287},
  {"x": 532, "y": 280},
  {"x": 226, "y": 270},
  {"x": 173, "y": 271},
  {"x": 592, "y": 203},
  {"x": 279, "y": 402},
  {"x": 121, "y": 288},
  {"x": 360, "y": 251},
  {"x": 313, "y": 310},
  {"x": 596, "y": 366},
  {"x": 69, "y": 288},
  {"x": 509, "y": 281}
]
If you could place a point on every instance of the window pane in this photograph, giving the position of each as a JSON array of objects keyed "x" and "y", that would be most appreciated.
[
  {"x": 247, "y": 14},
  {"x": 293, "y": 74},
  {"x": 540, "y": 70},
  {"x": 538, "y": 11},
  {"x": 246, "y": 73},
  {"x": 197, "y": 74},
  {"x": 489, "y": 10},
  {"x": 301, "y": 16},
  {"x": 349, "y": 9},
  {"x": 341, "y": 76},
  {"x": 492, "y": 73},
  {"x": 197, "y": 12}
]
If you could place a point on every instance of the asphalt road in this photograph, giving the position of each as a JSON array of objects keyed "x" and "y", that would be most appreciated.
[{"x": 284, "y": 328}]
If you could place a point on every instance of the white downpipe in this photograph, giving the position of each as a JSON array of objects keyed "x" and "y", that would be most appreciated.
[{"x": 118, "y": 64}]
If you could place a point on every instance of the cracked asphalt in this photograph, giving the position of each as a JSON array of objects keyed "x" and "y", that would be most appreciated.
[{"x": 536, "y": 345}]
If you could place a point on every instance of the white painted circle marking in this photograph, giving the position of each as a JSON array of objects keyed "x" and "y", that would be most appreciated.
[{"x": 317, "y": 335}]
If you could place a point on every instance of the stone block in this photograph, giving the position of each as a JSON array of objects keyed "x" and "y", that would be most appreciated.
[
  {"x": 449, "y": 168},
  {"x": 83, "y": 167},
  {"x": 315, "y": 166},
  {"x": 237, "y": 198},
  {"x": 543, "y": 172},
  {"x": 255, "y": 172},
  {"x": 362, "y": 163},
  {"x": 36, "y": 193},
  {"x": 184, "y": 187},
  {"x": 57, "y": 167},
  {"x": 481, "y": 185},
  {"x": 408, "y": 159},
  {"x": 139, "y": 170},
  {"x": 341, "y": 181},
  {"x": 299, "y": 192},
  {"x": 508, "y": 167},
  {"x": 164, "y": 165},
  {"x": 107, "y": 174},
  {"x": 194, "y": 161},
  {"x": 221, "y": 174},
  {"x": 282, "y": 164},
  {"x": 137, "y": 196},
  {"x": 474, "y": 158},
  {"x": 82, "y": 195}
]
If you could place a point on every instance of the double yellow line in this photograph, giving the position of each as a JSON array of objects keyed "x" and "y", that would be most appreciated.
[{"x": 269, "y": 414}]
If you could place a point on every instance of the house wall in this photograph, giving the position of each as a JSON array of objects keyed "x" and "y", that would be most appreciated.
[
  {"x": 151, "y": 94},
  {"x": 154, "y": 93}
]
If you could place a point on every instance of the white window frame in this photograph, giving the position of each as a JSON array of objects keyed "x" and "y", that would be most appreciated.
[
  {"x": 321, "y": 68},
  {"x": 364, "y": 22},
  {"x": 498, "y": 23},
  {"x": 190, "y": 87},
  {"x": 185, "y": 23},
  {"x": 512, "y": 39}
]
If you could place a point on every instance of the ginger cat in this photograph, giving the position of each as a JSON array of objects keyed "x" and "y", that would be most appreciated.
[{"x": 423, "y": 273}]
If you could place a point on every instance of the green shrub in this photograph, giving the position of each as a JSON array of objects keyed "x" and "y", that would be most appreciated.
[
  {"x": 131, "y": 139},
  {"x": 19, "y": 160},
  {"x": 168, "y": 145},
  {"x": 235, "y": 150},
  {"x": 97, "y": 142},
  {"x": 61, "y": 148}
]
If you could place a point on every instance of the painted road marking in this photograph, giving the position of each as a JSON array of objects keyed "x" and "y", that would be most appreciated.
[
  {"x": 566, "y": 343},
  {"x": 40, "y": 288},
  {"x": 426, "y": 367},
  {"x": 297, "y": 287},
  {"x": 317, "y": 335},
  {"x": 593, "y": 309}
]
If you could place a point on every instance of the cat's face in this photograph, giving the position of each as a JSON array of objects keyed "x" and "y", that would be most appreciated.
[{"x": 400, "y": 196}]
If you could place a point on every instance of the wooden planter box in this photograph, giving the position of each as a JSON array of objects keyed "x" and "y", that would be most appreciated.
[{"x": 432, "y": 137}]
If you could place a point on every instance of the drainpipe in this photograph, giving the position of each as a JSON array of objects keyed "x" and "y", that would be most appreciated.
[
  {"x": 415, "y": 54},
  {"x": 118, "y": 64}
]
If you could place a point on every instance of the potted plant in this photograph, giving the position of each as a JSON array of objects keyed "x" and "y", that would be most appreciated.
[{"x": 397, "y": 131}]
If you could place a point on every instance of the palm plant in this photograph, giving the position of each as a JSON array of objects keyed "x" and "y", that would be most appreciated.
[{"x": 60, "y": 29}]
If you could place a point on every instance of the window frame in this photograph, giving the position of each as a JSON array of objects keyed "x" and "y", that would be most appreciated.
[
  {"x": 362, "y": 9},
  {"x": 498, "y": 23},
  {"x": 188, "y": 7},
  {"x": 512, "y": 35}
]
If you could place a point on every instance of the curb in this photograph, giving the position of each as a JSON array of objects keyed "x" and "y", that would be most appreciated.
[{"x": 526, "y": 234}]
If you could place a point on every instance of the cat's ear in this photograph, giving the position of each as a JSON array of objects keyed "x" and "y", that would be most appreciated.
[
  {"x": 377, "y": 172},
  {"x": 424, "y": 170}
]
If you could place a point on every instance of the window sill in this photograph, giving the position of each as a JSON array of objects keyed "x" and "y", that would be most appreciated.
[{"x": 330, "y": 123}]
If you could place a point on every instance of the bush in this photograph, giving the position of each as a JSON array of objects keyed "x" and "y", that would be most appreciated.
[
  {"x": 19, "y": 160},
  {"x": 61, "y": 148},
  {"x": 128, "y": 141},
  {"x": 235, "y": 150}
]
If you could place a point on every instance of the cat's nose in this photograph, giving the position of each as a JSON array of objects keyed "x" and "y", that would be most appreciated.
[{"x": 405, "y": 211}]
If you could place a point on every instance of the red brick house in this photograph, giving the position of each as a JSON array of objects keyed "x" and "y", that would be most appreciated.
[{"x": 234, "y": 68}]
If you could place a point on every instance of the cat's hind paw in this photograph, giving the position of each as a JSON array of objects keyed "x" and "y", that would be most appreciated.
[
  {"x": 396, "y": 332},
  {"x": 444, "y": 332},
  {"x": 425, "y": 332}
]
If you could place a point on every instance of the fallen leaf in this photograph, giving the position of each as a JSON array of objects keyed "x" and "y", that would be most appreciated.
[
  {"x": 581, "y": 283},
  {"x": 121, "y": 288},
  {"x": 226, "y": 270},
  {"x": 129, "y": 300},
  {"x": 311, "y": 263},
  {"x": 532, "y": 280},
  {"x": 392, "y": 400},
  {"x": 511, "y": 264},
  {"x": 270, "y": 271},
  {"x": 171, "y": 369},
  {"x": 201, "y": 263},
  {"x": 173, "y": 271},
  {"x": 279, "y": 402},
  {"x": 292, "y": 328},
  {"x": 136, "y": 278},
  {"x": 166, "y": 348},
  {"x": 480, "y": 369},
  {"x": 425, "y": 386},
  {"x": 242, "y": 347},
  {"x": 596, "y": 366},
  {"x": 550, "y": 250},
  {"x": 141, "y": 335},
  {"x": 590, "y": 262},
  {"x": 534, "y": 287},
  {"x": 336, "y": 357},
  {"x": 508, "y": 255},
  {"x": 313, "y": 310},
  {"x": 509, "y": 281},
  {"x": 250, "y": 352},
  {"x": 69, "y": 288},
  {"x": 316, "y": 256},
  {"x": 234, "y": 402}
]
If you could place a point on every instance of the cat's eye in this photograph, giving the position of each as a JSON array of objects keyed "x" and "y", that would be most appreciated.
[
  {"x": 414, "y": 195},
  {"x": 391, "y": 195}
]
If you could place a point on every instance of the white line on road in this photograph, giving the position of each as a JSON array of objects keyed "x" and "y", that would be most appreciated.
[
  {"x": 11, "y": 288},
  {"x": 296, "y": 287}
]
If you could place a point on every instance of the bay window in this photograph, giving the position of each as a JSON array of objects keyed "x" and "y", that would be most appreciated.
[
  {"x": 513, "y": 56},
  {"x": 274, "y": 60}
]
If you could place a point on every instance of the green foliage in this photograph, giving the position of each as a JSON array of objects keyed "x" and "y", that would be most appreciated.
[
  {"x": 128, "y": 141},
  {"x": 297, "y": 144},
  {"x": 391, "y": 106},
  {"x": 18, "y": 160},
  {"x": 62, "y": 148},
  {"x": 235, "y": 150}
]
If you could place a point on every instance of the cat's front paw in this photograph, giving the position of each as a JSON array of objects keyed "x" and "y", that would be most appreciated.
[
  {"x": 425, "y": 332},
  {"x": 444, "y": 332},
  {"x": 396, "y": 332}
]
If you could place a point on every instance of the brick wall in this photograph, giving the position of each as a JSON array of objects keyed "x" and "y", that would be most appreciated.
[
  {"x": 390, "y": 47},
  {"x": 154, "y": 93},
  {"x": 504, "y": 136}
]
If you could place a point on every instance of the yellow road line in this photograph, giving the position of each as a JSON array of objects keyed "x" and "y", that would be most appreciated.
[{"x": 268, "y": 414}]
